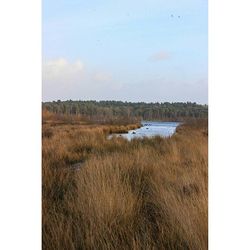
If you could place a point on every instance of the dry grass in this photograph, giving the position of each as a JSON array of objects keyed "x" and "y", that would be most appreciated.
[{"x": 116, "y": 194}]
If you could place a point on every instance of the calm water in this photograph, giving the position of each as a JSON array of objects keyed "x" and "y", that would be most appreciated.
[{"x": 150, "y": 129}]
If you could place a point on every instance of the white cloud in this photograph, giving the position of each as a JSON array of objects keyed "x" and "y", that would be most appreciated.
[
  {"x": 60, "y": 68},
  {"x": 160, "y": 56},
  {"x": 74, "y": 80}
]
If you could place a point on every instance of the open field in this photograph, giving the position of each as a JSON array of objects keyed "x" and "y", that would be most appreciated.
[{"x": 115, "y": 194}]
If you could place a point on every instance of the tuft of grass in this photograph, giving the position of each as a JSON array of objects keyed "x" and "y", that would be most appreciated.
[{"x": 148, "y": 193}]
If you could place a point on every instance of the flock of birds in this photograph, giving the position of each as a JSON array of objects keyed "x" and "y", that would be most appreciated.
[
  {"x": 173, "y": 16},
  {"x": 128, "y": 14}
]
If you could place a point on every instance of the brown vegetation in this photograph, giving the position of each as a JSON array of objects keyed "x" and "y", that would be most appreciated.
[
  {"x": 76, "y": 119},
  {"x": 116, "y": 194}
]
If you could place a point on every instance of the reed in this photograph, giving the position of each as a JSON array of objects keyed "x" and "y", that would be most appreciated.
[{"x": 119, "y": 194}]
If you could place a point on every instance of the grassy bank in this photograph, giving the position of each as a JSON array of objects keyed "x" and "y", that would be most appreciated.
[{"x": 115, "y": 194}]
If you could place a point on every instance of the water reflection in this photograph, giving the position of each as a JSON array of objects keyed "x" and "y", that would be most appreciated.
[{"x": 150, "y": 129}]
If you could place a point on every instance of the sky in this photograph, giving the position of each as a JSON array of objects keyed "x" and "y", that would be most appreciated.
[{"x": 144, "y": 50}]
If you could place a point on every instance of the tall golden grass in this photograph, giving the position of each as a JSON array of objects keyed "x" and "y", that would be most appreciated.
[{"x": 116, "y": 194}]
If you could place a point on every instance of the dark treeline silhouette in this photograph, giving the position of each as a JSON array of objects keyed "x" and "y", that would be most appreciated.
[{"x": 103, "y": 111}]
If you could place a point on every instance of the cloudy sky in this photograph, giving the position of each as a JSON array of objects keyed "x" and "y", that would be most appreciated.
[{"x": 145, "y": 50}]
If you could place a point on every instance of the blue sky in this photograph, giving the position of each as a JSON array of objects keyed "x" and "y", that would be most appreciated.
[{"x": 150, "y": 50}]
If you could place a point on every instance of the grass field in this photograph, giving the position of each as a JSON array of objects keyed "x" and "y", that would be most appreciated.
[{"x": 115, "y": 194}]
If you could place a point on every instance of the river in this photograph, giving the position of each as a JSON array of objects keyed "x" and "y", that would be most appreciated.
[{"x": 150, "y": 129}]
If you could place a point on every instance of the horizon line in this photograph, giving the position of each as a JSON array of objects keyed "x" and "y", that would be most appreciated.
[{"x": 110, "y": 100}]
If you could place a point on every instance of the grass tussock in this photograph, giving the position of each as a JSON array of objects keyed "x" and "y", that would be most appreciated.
[{"x": 116, "y": 194}]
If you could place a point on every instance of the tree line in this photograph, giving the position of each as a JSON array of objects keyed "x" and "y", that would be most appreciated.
[{"x": 103, "y": 111}]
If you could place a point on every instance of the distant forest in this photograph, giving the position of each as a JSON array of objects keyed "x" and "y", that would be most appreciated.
[{"x": 103, "y": 111}]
